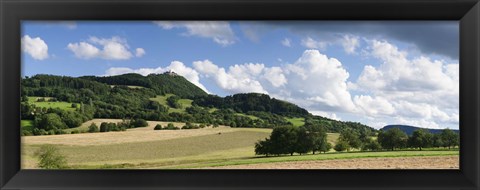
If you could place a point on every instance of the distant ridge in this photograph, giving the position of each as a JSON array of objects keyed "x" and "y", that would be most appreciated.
[{"x": 410, "y": 129}]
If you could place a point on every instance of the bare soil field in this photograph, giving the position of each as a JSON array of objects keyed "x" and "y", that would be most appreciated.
[
  {"x": 424, "y": 162},
  {"x": 142, "y": 134}
]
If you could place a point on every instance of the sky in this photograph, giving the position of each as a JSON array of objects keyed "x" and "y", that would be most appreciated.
[{"x": 374, "y": 72}]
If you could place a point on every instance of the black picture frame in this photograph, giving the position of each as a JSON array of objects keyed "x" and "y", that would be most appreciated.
[{"x": 12, "y": 12}]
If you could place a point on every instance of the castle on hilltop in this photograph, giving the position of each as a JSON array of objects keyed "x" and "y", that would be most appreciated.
[{"x": 171, "y": 73}]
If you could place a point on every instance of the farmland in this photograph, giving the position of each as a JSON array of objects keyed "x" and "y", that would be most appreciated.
[{"x": 144, "y": 147}]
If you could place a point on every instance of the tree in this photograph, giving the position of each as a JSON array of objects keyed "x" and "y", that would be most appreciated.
[
  {"x": 263, "y": 147},
  {"x": 371, "y": 145},
  {"x": 74, "y": 105},
  {"x": 172, "y": 101},
  {"x": 341, "y": 146},
  {"x": 450, "y": 138},
  {"x": 49, "y": 121},
  {"x": 305, "y": 141},
  {"x": 318, "y": 137},
  {"x": 158, "y": 127},
  {"x": 421, "y": 138},
  {"x": 72, "y": 119},
  {"x": 93, "y": 128},
  {"x": 392, "y": 138},
  {"x": 50, "y": 158},
  {"x": 351, "y": 138}
]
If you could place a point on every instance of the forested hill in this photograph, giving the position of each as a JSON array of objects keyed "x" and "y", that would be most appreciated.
[
  {"x": 161, "y": 83},
  {"x": 247, "y": 102},
  {"x": 410, "y": 129},
  {"x": 162, "y": 97}
]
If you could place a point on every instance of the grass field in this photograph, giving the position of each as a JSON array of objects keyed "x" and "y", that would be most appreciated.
[
  {"x": 163, "y": 100},
  {"x": 26, "y": 125},
  {"x": 129, "y": 86},
  {"x": 296, "y": 121},
  {"x": 196, "y": 148},
  {"x": 61, "y": 105}
]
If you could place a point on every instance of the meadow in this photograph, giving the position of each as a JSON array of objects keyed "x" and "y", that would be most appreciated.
[
  {"x": 179, "y": 149},
  {"x": 59, "y": 104},
  {"x": 185, "y": 103}
]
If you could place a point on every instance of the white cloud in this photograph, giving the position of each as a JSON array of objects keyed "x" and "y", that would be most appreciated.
[
  {"x": 314, "y": 81},
  {"x": 114, "y": 48},
  {"x": 350, "y": 43},
  {"x": 84, "y": 50},
  {"x": 176, "y": 66},
  {"x": 219, "y": 31},
  {"x": 309, "y": 42},
  {"x": 35, "y": 47},
  {"x": 139, "y": 52},
  {"x": 410, "y": 90},
  {"x": 238, "y": 79},
  {"x": 286, "y": 42}
]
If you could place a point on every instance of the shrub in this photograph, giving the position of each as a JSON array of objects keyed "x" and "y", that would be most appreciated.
[
  {"x": 50, "y": 158},
  {"x": 139, "y": 123},
  {"x": 158, "y": 127},
  {"x": 93, "y": 128},
  {"x": 75, "y": 132},
  {"x": 104, "y": 127}
]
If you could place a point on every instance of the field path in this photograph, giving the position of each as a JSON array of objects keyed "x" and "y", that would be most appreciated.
[{"x": 425, "y": 162}]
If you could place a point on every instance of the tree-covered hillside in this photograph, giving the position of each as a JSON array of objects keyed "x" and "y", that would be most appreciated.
[
  {"x": 160, "y": 83},
  {"x": 114, "y": 97}
]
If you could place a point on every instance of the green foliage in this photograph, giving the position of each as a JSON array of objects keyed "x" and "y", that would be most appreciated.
[
  {"x": 420, "y": 139},
  {"x": 290, "y": 139},
  {"x": 371, "y": 145},
  {"x": 450, "y": 138},
  {"x": 49, "y": 121},
  {"x": 170, "y": 126},
  {"x": 138, "y": 123},
  {"x": 341, "y": 146},
  {"x": 392, "y": 138},
  {"x": 351, "y": 138},
  {"x": 158, "y": 127},
  {"x": 172, "y": 101},
  {"x": 93, "y": 128},
  {"x": 50, "y": 158}
]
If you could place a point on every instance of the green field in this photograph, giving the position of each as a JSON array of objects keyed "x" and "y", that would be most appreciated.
[
  {"x": 129, "y": 86},
  {"x": 163, "y": 100},
  {"x": 26, "y": 125},
  {"x": 61, "y": 105},
  {"x": 296, "y": 121}
]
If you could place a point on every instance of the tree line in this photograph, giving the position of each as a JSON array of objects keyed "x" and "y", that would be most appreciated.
[{"x": 313, "y": 138}]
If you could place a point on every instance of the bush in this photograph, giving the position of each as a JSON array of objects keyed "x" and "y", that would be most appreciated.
[
  {"x": 158, "y": 127},
  {"x": 372, "y": 145},
  {"x": 104, "y": 127},
  {"x": 170, "y": 126},
  {"x": 50, "y": 158},
  {"x": 138, "y": 123},
  {"x": 74, "y": 105},
  {"x": 93, "y": 128},
  {"x": 341, "y": 146},
  {"x": 75, "y": 132}
]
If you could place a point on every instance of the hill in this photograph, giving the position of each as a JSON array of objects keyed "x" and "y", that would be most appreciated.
[
  {"x": 160, "y": 83},
  {"x": 135, "y": 96},
  {"x": 410, "y": 129}
]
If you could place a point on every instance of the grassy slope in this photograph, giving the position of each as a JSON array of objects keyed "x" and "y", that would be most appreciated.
[
  {"x": 163, "y": 100},
  {"x": 61, "y": 105},
  {"x": 296, "y": 121},
  {"x": 27, "y": 124}
]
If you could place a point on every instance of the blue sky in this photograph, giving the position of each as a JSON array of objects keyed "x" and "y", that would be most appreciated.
[{"x": 377, "y": 73}]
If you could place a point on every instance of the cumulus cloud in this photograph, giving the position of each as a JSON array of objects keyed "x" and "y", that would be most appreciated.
[
  {"x": 35, "y": 47},
  {"x": 114, "y": 48},
  {"x": 418, "y": 89},
  {"x": 175, "y": 66},
  {"x": 314, "y": 81},
  {"x": 139, "y": 52},
  {"x": 286, "y": 42},
  {"x": 238, "y": 78},
  {"x": 219, "y": 31}
]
